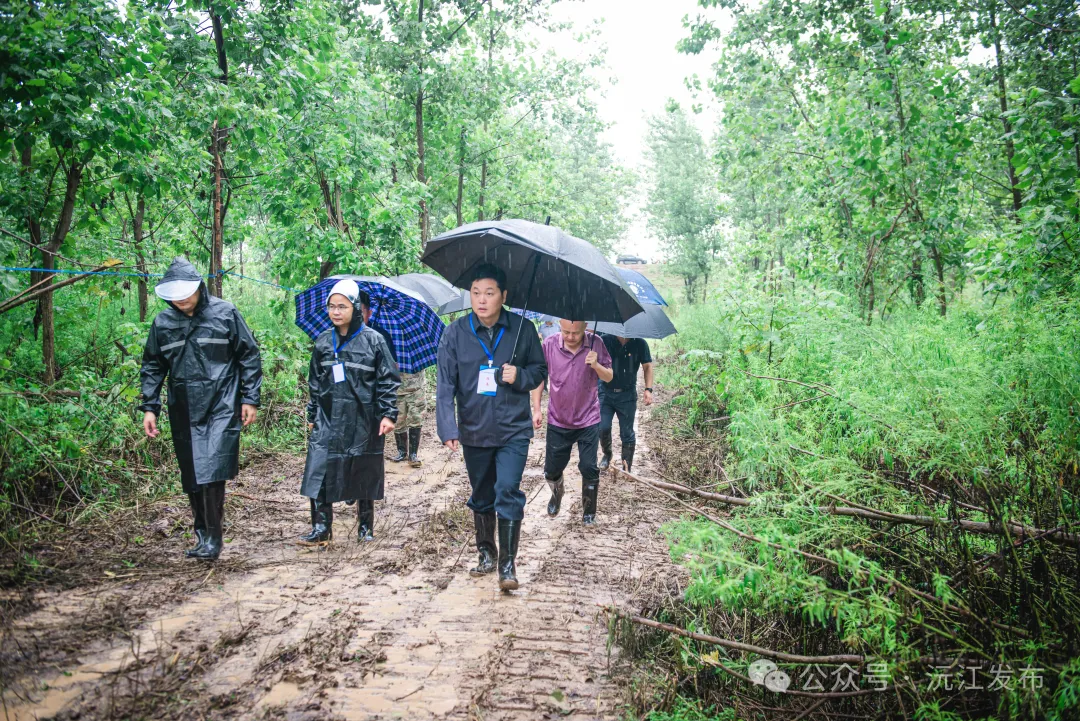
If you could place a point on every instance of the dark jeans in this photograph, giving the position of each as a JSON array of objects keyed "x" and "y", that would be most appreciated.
[
  {"x": 495, "y": 476},
  {"x": 623, "y": 405},
  {"x": 560, "y": 441}
]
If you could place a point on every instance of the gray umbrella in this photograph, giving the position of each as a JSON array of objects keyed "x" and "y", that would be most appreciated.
[
  {"x": 547, "y": 270},
  {"x": 435, "y": 291},
  {"x": 652, "y": 323}
]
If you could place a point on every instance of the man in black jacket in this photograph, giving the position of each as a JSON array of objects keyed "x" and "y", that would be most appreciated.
[
  {"x": 212, "y": 362},
  {"x": 489, "y": 380}
]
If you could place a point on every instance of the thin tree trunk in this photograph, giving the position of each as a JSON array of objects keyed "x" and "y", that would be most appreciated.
[
  {"x": 939, "y": 267},
  {"x": 487, "y": 93},
  {"x": 460, "y": 178},
  {"x": 140, "y": 256},
  {"x": 48, "y": 262},
  {"x": 424, "y": 220},
  {"x": 217, "y": 241},
  {"x": 1010, "y": 149},
  {"x": 218, "y": 144}
]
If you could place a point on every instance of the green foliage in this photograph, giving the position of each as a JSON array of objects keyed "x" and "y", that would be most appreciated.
[{"x": 919, "y": 416}]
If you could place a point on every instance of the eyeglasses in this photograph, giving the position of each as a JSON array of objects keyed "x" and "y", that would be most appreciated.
[{"x": 339, "y": 308}]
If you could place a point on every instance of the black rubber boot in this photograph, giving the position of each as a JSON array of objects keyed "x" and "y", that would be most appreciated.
[
  {"x": 485, "y": 543},
  {"x": 589, "y": 492},
  {"x": 310, "y": 534},
  {"x": 414, "y": 447},
  {"x": 213, "y": 503},
  {"x": 322, "y": 521},
  {"x": 605, "y": 449},
  {"x": 509, "y": 532},
  {"x": 365, "y": 528},
  {"x": 199, "y": 525},
  {"x": 556, "y": 486},
  {"x": 402, "y": 439},
  {"x": 628, "y": 457}
]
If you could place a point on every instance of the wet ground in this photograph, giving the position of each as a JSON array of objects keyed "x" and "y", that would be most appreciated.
[{"x": 390, "y": 629}]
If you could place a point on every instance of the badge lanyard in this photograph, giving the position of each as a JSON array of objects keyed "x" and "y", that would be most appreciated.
[
  {"x": 485, "y": 384},
  {"x": 338, "y": 368}
]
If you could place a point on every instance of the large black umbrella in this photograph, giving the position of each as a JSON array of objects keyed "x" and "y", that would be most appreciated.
[
  {"x": 547, "y": 270},
  {"x": 653, "y": 323}
]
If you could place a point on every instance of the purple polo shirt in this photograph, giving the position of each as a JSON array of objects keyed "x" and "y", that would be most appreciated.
[{"x": 572, "y": 385}]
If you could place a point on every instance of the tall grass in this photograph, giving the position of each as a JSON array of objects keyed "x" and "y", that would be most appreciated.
[{"x": 973, "y": 416}]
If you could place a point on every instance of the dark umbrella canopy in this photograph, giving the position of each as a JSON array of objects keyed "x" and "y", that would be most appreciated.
[
  {"x": 435, "y": 291},
  {"x": 652, "y": 323},
  {"x": 547, "y": 270}
]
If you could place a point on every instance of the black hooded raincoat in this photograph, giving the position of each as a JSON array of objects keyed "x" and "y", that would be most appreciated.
[
  {"x": 345, "y": 450},
  {"x": 213, "y": 366}
]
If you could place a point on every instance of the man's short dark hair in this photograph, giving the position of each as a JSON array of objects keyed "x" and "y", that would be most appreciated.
[
  {"x": 488, "y": 270},
  {"x": 365, "y": 299}
]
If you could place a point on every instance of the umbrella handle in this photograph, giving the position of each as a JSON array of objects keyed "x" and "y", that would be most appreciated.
[{"x": 524, "y": 308}]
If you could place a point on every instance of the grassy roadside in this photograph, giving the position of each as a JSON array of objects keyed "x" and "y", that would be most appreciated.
[{"x": 972, "y": 417}]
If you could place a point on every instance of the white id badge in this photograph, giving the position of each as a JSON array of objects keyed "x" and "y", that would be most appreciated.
[
  {"x": 339, "y": 372},
  {"x": 485, "y": 384}
]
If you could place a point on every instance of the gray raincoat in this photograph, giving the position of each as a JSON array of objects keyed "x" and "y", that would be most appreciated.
[
  {"x": 213, "y": 366},
  {"x": 345, "y": 450}
]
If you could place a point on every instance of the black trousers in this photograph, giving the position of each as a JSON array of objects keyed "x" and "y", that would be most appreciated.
[
  {"x": 560, "y": 441},
  {"x": 495, "y": 476}
]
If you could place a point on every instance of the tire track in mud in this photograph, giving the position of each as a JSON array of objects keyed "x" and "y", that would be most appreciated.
[{"x": 392, "y": 629}]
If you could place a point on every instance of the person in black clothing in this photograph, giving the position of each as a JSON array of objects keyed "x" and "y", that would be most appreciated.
[
  {"x": 352, "y": 383},
  {"x": 489, "y": 380},
  {"x": 212, "y": 362},
  {"x": 618, "y": 397}
]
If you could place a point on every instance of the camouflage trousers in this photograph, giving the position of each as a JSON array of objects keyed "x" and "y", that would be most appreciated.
[{"x": 410, "y": 401}]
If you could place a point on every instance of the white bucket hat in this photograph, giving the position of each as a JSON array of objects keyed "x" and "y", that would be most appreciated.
[
  {"x": 177, "y": 289},
  {"x": 346, "y": 287}
]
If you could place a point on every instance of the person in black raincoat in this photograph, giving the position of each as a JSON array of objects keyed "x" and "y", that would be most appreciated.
[
  {"x": 211, "y": 359},
  {"x": 352, "y": 382}
]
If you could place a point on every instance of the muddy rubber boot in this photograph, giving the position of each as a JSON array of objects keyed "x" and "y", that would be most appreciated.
[
  {"x": 306, "y": 537},
  {"x": 213, "y": 502},
  {"x": 628, "y": 457},
  {"x": 322, "y": 527},
  {"x": 402, "y": 438},
  {"x": 509, "y": 533},
  {"x": 605, "y": 449},
  {"x": 485, "y": 543},
  {"x": 365, "y": 528},
  {"x": 589, "y": 492},
  {"x": 556, "y": 486},
  {"x": 199, "y": 525},
  {"x": 414, "y": 447}
]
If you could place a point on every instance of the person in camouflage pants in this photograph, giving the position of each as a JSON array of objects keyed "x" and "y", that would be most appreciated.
[{"x": 410, "y": 403}]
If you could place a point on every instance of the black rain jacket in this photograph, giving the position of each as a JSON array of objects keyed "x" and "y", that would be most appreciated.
[
  {"x": 345, "y": 450},
  {"x": 212, "y": 363}
]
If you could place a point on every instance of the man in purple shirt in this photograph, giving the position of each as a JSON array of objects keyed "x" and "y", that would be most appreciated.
[{"x": 575, "y": 361}]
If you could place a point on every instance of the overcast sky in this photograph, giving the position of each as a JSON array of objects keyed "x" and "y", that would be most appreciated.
[{"x": 640, "y": 37}]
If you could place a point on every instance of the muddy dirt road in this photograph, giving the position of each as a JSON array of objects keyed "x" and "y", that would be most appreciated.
[{"x": 391, "y": 629}]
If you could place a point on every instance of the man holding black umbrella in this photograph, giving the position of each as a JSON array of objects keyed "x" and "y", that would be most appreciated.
[{"x": 487, "y": 367}]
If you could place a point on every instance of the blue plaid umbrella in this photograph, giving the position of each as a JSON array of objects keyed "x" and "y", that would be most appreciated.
[{"x": 414, "y": 328}]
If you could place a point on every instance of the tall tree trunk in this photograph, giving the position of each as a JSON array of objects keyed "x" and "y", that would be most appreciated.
[
  {"x": 460, "y": 177},
  {"x": 918, "y": 289},
  {"x": 219, "y": 140},
  {"x": 1003, "y": 100},
  {"x": 420, "y": 177},
  {"x": 140, "y": 255},
  {"x": 939, "y": 268},
  {"x": 217, "y": 240},
  {"x": 487, "y": 92},
  {"x": 48, "y": 262}
]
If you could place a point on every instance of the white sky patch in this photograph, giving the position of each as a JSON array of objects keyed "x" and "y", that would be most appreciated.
[{"x": 640, "y": 37}]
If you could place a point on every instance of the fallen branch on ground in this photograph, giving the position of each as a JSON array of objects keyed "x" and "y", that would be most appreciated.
[{"x": 1020, "y": 531}]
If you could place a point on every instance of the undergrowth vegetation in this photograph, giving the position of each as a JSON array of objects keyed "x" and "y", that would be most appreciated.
[{"x": 874, "y": 471}]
